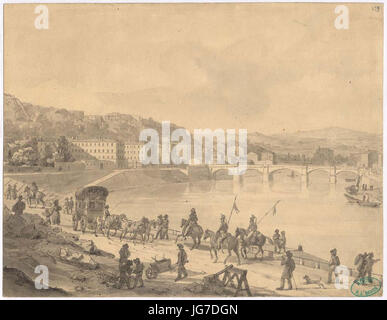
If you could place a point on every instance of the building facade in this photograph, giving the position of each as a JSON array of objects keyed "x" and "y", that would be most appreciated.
[{"x": 99, "y": 153}]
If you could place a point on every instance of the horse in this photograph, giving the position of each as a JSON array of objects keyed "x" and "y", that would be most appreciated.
[
  {"x": 232, "y": 244},
  {"x": 114, "y": 222},
  {"x": 38, "y": 198},
  {"x": 141, "y": 228},
  {"x": 258, "y": 239},
  {"x": 195, "y": 232}
]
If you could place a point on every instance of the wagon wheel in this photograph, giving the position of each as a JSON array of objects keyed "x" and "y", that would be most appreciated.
[{"x": 151, "y": 273}]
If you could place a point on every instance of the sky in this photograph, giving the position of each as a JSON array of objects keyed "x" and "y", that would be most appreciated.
[{"x": 264, "y": 67}]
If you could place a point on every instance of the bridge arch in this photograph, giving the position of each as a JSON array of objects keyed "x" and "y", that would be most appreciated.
[
  {"x": 215, "y": 172},
  {"x": 295, "y": 170},
  {"x": 319, "y": 169},
  {"x": 347, "y": 171}
]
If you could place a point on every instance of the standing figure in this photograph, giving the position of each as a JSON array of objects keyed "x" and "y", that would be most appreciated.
[
  {"x": 222, "y": 231},
  {"x": 9, "y": 192},
  {"x": 360, "y": 261},
  {"x": 66, "y": 205},
  {"x": 124, "y": 254},
  {"x": 138, "y": 271},
  {"x": 125, "y": 272},
  {"x": 34, "y": 189},
  {"x": 106, "y": 213},
  {"x": 14, "y": 191},
  {"x": 283, "y": 241},
  {"x": 55, "y": 213},
  {"x": 71, "y": 205},
  {"x": 276, "y": 241},
  {"x": 181, "y": 261},
  {"x": 47, "y": 216},
  {"x": 27, "y": 194},
  {"x": 334, "y": 261},
  {"x": 159, "y": 222},
  {"x": 369, "y": 265},
  {"x": 287, "y": 273},
  {"x": 19, "y": 206},
  {"x": 165, "y": 227},
  {"x": 252, "y": 228}
]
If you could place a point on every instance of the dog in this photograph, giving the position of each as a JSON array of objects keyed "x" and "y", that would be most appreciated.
[{"x": 308, "y": 280}]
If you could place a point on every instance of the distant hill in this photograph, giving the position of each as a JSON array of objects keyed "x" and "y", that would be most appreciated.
[
  {"x": 23, "y": 119},
  {"x": 341, "y": 140}
]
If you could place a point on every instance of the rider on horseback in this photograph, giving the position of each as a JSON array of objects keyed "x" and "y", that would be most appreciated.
[
  {"x": 253, "y": 228},
  {"x": 192, "y": 220},
  {"x": 222, "y": 231}
]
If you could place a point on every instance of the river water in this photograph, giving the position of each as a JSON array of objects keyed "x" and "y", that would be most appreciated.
[{"x": 319, "y": 219}]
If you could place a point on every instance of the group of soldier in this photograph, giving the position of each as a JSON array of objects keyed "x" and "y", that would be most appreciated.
[
  {"x": 364, "y": 262},
  {"x": 69, "y": 205},
  {"x": 162, "y": 224},
  {"x": 129, "y": 269},
  {"x": 11, "y": 193}
]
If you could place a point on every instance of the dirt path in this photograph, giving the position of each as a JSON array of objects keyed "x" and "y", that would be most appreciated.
[{"x": 263, "y": 276}]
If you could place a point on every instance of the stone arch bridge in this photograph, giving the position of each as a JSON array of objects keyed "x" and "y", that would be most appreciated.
[{"x": 268, "y": 170}]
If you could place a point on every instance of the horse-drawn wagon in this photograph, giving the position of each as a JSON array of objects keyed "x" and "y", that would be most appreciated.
[{"x": 89, "y": 206}]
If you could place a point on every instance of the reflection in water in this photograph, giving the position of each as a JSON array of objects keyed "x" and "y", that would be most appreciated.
[{"x": 319, "y": 220}]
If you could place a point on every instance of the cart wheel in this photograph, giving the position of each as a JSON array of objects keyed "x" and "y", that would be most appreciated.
[{"x": 151, "y": 273}]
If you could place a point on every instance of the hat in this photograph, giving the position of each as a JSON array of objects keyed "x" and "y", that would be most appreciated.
[
  {"x": 20, "y": 197},
  {"x": 282, "y": 232},
  {"x": 222, "y": 216},
  {"x": 107, "y": 206},
  {"x": 180, "y": 246},
  {"x": 253, "y": 217},
  {"x": 333, "y": 250},
  {"x": 136, "y": 260},
  {"x": 165, "y": 216},
  {"x": 56, "y": 201},
  {"x": 193, "y": 210},
  {"x": 125, "y": 245},
  {"x": 289, "y": 254},
  {"x": 276, "y": 230}
]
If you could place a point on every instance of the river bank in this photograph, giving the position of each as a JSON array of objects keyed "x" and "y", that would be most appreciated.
[{"x": 28, "y": 243}]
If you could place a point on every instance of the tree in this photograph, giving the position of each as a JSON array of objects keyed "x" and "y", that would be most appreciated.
[
  {"x": 63, "y": 152},
  {"x": 24, "y": 156},
  {"x": 46, "y": 158}
]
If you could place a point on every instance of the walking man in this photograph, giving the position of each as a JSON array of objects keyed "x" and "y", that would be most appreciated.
[
  {"x": 165, "y": 227},
  {"x": 287, "y": 273},
  {"x": 181, "y": 261},
  {"x": 334, "y": 262},
  {"x": 159, "y": 222}
]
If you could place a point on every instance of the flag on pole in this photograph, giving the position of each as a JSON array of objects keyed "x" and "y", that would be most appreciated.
[{"x": 234, "y": 207}]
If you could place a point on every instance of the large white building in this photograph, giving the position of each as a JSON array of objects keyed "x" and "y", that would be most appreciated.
[{"x": 99, "y": 153}]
